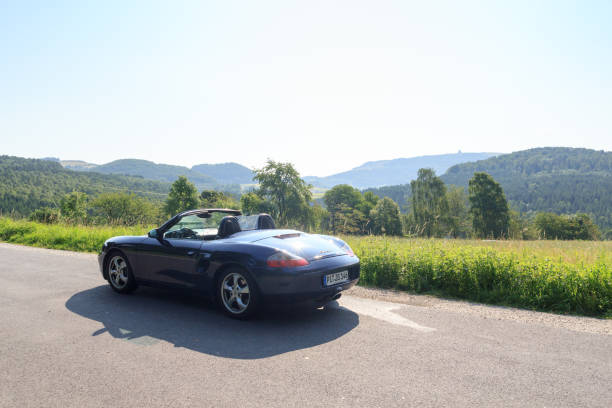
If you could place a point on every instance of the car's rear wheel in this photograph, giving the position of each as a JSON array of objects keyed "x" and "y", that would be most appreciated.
[
  {"x": 237, "y": 294},
  {"x": 120, "y": 275}
]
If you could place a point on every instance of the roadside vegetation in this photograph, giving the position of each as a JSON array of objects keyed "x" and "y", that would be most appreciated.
[
  {"x": 82, "y": 238},
  {"x": 560, "y": 276}
]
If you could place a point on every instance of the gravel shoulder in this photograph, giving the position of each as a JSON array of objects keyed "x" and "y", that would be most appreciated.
[{"x": 569, "y": 322}]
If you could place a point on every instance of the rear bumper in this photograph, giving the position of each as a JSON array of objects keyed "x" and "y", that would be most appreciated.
[
  {"x": 305, "y": 285},
  {"x": 316, "y": 299}
]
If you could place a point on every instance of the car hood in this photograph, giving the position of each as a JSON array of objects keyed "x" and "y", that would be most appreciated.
[{"x": 308, "y": 246}]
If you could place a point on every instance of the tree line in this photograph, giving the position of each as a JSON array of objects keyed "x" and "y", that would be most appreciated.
[
  {"x": 552, "y": 179},
  {"x": 432, "y": 210}
]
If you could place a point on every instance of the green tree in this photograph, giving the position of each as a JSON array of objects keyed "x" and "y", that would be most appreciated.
[
  {"x": 46, "y": 215},
  {"x": 410, "y": 227},
  {"x": 488, "y": 206},
  {"x": 584, "y": 228},
  {"x": 386, "y": 217},
  {"x": 349, "y": 220},
  {"x": 217, "y": 199},
  {"x": 429, "y": 203},
  {"x": 252, "y": 203},
  {"x": 124, "y": 209},
  {"x": 282, "y": 186},
  {"x": 321, "y": 218},
  {"x": 342, "y": 202},
  {"x": 368, "y": 203},
  {"x": 183, "y": 196},
  {"x": 520, "y": 227},
  {"x": 458, "y": 222},
  {"x": 73, "y": 207},
  {"x": 566, "y": 227},
  {"x": 561, "y": 180}
]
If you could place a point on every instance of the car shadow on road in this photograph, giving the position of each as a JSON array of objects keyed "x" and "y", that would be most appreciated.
[{"x": 151, "y": 315}]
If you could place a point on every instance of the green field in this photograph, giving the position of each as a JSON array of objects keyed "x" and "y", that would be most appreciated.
[{"x": 561, "y": 276}]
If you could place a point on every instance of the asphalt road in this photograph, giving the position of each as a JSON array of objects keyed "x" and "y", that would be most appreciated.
[{"x": 67, "y": 340}]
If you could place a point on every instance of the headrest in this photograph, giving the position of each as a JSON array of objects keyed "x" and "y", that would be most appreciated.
[
  {"x": 229, "y": 225},
  {"x": 264, "y": 221}
]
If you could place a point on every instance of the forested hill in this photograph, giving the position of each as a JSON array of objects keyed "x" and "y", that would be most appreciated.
[
  {"x": 155, "y": 171},
  {"x": 396, "y": 171},
  {"x": 27, "y": 184},
  {"x": 557, "y": 179},
  {"x": 226, "y": 173},
  {"x": 536, "y": 162},
  {"x": 400, "y": 193}
]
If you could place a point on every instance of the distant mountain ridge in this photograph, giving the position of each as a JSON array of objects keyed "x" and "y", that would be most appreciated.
[
  {"x": 155, "y": 171},
  {"x": 226, "y": 173},
  {"x": 204, "y": 176},
  {"x": 215, "y": 176},
  {"x": 76, "y": 164},
  {"x": 396, "y": 171}
]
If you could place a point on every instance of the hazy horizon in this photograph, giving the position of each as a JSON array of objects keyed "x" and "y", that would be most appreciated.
[
  {"x": 326, "y": 86},
  {"x": 303, "y": 175}
]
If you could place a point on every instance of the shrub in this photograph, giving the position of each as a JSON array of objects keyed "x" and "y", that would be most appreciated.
[{"x": 45, "y": 215}]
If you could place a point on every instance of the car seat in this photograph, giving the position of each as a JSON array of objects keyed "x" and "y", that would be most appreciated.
[{"x": 229, "y": 225}]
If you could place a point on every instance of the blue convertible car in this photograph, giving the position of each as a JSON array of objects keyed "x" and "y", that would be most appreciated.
[{"x": 241, "y": 261}]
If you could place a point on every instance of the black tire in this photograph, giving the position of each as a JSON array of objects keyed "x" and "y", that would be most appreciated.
[
  {"x": 119, "y": 273},
  {"x": 231, "y": 297}
]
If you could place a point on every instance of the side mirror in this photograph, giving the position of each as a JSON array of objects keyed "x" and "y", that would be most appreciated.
[{"x": 153, "y": 233}]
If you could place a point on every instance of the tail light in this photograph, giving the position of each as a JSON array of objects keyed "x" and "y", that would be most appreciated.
[
  {"x": 284, "y": 259},
  {"x": 344, "y": 246},
  {"x": 348, "y": 250}
]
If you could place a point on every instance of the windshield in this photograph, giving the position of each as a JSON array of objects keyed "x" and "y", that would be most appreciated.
[
  {"x": 195, "y": 227},
  {"x": 248, "y": 222}
]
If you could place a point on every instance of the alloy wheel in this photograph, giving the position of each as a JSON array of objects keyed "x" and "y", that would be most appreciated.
[
  {"x": 235, "y": 293},
  {"x": 118, "y": 272}
]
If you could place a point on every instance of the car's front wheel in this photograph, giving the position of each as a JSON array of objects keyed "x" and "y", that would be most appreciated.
[
  {"x": 237, "y": 294},
  {"x": 119, "y": 274}
]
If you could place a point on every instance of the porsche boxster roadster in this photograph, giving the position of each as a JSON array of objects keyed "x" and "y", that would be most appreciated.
[{"x": 240, "y": 261}]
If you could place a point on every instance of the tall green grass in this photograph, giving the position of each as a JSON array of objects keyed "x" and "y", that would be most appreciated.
[
  {"x": 498, "y": 273},
  {"x": 62, "y": 236},
  {"x": 560, "y": 276}
]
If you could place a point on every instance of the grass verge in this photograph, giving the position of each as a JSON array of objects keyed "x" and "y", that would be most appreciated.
[
  {"x": 62, "y": 236},
  {"x": 577, "y": 278},
  {"x": 560, "y": 276}
]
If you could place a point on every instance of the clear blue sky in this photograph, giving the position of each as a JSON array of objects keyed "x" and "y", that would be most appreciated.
[{"x": 326, "y": 85}]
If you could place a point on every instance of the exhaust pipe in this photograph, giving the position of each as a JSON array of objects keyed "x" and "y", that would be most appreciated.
[{"x": 336, "y": 296}]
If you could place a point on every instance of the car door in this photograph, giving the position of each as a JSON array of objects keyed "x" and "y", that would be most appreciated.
[{"x": 173, "y": 258}]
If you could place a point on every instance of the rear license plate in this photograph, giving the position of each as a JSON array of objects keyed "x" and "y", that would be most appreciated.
[{"x": 334, "y": 278}]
